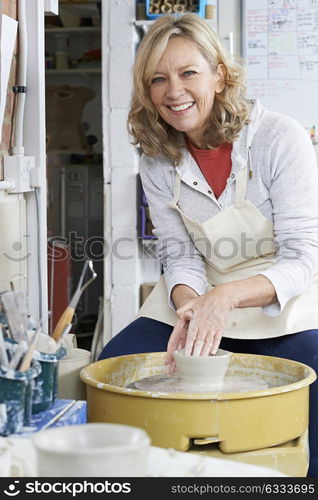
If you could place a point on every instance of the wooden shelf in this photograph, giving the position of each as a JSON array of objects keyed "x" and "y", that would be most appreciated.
[
  {"x": 143, "y": 22},
  {"x": 149, "y": 22},
  {"x": 78, "y": 2},
  {"x": 77, "y": 29},
  {"x": 73, "y": 71}
]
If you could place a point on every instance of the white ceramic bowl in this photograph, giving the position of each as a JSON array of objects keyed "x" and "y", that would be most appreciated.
[
  {"x": 94, "y": 449},
  {"x": 202, "y": 371}
]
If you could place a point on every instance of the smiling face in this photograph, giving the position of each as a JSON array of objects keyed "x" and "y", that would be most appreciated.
[{"x": 183, "y": 88}]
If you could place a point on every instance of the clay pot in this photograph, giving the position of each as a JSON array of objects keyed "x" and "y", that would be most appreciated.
[{"x": 202, "y": 371}]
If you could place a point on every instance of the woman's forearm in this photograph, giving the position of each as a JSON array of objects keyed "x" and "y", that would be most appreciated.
[
  {"x": 207, "y": 316},
  {"x": 181, "y": 294},
  {"x": 257, "y": 291}
]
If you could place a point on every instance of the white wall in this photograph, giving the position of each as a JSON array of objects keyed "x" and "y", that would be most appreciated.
[{"x": 122, "y": 276}]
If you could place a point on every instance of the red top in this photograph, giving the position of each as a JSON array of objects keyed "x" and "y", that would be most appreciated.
[{"x": 215, "y": 165}]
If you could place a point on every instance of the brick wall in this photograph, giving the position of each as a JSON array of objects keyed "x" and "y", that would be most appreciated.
[
  {"x": 121, "y": 39},
  {"x": 9, "y": 7},
  {"x": 129, "y": 263}
]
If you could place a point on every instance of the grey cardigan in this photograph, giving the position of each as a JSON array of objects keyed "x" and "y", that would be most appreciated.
[{"x": 283, "y": 186}]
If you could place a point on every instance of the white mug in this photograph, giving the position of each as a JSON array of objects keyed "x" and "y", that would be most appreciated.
[
  {"x": 94, "y": 449},
  {"x": 12, "y": 463}
]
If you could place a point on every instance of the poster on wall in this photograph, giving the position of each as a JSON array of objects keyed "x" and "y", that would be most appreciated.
[{"x": 280, "y": 46}]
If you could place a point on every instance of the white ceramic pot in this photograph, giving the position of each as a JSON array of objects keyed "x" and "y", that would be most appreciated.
[
  {"x": 202, "y": 371},
  {"x": 88, "y": 450},
  {"x": 70, "y": 385}
]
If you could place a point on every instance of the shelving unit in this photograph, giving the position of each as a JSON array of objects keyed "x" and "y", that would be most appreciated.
[
  {"x": 75, "y": 174},
  {"x": 73, "y": 71},
  {"x": 66, "y": 44},
  {"x": 78, "y": 2},
  {"x": 78, "y": 29},
  {"x": 146, "y": 23},
  {"x": 149, "y": 22},
  {"x": 143, "y": 22}
]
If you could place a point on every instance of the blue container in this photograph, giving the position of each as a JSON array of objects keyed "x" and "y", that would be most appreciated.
[
  {"x": 16, "y": 389},
  {"x": 200, "y": 10},
  {"x": 32, "y": 374},
  {"x": 46, "y": 384}
]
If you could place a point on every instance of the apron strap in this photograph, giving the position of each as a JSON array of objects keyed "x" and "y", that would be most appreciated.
[
  {"x": 241, "y": 183},
  {"x": 176, "y": 190}
]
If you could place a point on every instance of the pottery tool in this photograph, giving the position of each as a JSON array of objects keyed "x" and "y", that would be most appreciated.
[
  {"x": 44, "y": 342},
  {"x": 26, "y": 362},
  {"x": 4, "y": 361},
  {"x": 21, "y": 303},
  {"x": 16, "y": 358},
  {"x": 58, "y": 416},
  {"x": 14, "y": 308},
  {"x": 63, "y": 334},
  {"x": 68, "y": 314}
]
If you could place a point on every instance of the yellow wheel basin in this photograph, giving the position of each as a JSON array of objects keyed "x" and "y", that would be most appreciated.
[{"x": 238, "y": 421}]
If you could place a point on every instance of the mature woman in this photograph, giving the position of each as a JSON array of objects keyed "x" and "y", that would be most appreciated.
[{"x": 233, "y": 196}]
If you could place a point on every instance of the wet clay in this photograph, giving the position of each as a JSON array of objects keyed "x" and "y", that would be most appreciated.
[
  {"x": 174, "y": 383},
  {"x": 200, "y": 374},
  {"x": 205, "y": 372}
]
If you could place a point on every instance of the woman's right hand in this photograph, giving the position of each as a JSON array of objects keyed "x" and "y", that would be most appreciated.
[
  {"x": 176, "y": 342},
  {"x": 180, "y": 295}
]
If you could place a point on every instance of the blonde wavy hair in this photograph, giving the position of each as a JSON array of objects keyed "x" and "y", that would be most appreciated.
[{"x": 230, "y": 109}]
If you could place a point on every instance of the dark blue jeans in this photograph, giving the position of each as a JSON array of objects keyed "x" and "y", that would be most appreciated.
[{"x": 148, "y": 335}]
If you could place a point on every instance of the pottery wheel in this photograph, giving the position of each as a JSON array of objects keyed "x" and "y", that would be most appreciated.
[{"x": 173, "y": 383}]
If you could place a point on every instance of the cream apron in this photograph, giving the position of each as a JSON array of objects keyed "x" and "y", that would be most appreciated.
[{"x": 238, "y": 243}]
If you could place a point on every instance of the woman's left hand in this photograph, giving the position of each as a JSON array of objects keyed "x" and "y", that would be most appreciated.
[{"x": 206, "y": 318}]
